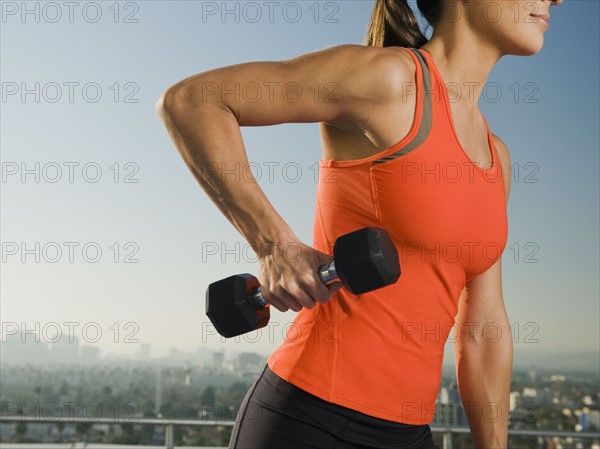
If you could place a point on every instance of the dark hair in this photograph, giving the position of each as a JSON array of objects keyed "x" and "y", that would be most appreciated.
[{"x": 393, "y": 23}]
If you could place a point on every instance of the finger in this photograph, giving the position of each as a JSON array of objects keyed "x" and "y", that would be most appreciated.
[
  {"x": 302, "y": 296},
  {"x": 318, "y": 290},
  {"x": 285, "y": 298},
  {"x": 273, "y": 300}
]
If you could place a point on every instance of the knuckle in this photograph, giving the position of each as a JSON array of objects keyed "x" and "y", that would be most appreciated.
[
  {"x": 278, "y": 290},
  {"x": 294, "y": 290},
  {"x": 317, "y": 289},
  {"x": 302, "y": 295},
  {"x": 265, "y": 293}
]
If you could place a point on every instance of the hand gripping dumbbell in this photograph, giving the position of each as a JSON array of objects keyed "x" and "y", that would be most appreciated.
[{"x": 364, "y": 260}]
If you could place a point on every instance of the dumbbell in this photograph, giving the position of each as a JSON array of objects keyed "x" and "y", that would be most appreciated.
[{"x": 364, "y": 260}]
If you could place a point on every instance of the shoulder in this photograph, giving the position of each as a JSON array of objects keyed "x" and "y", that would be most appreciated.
[
  {"x": 504, "y": 156},
  {"x": 502, "y": 150},
  {"x": 375, "y": 72},
  {"x": 390, "y": 57}
]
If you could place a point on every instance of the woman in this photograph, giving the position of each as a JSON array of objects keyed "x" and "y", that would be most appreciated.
[{"x": 364, "y": 370}]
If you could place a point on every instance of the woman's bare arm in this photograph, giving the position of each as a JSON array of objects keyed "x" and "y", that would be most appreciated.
[
  {"x": 484, "y": 359},
  {"x": 204, "y": 113}
]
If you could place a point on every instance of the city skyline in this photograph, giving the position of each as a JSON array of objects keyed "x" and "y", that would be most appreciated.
[{"x": 20, "y": 348}]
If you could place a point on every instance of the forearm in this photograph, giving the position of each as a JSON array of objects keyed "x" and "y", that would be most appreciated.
[
  {"x": 210, "y": 142},
  {"x": 483, "y": 366}
]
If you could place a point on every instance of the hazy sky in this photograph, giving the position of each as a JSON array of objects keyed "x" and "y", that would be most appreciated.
[{"x": 79, "y": 87}]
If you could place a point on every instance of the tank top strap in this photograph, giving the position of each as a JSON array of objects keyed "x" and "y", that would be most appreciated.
[{"x": 426, "y": 119}]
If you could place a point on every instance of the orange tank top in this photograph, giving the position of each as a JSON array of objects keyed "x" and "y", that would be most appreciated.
[{"x": 380, "y": 353}]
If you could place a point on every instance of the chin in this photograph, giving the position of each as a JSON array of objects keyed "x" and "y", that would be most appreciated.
[
  {"x": 528, "y": 46},
  {"x": 529, "y": 51}
]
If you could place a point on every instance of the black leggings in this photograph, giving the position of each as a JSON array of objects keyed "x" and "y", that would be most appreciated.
[{"x": 276, "y": 414}]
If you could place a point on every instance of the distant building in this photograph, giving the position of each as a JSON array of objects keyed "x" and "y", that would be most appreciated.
[
  {"x": 584, "y": 421},
  {"x": 143, "y": 352},
  {"x": 250, "y": 362},
  {"x": 557, "y": 379},
  {"x": 217, "y": 360},
  {"x": 514, "y": 400},
  {"x": 23, "y": 347},
  {"x": 594, "y": 418},
  {"x": 455, "y": 412},
  {"x": 65, "y": 350},
  {"x": 532, "y": 375},
  {"x": 529, "y": 392},
  {"x": 175, "y": 354},
  {"x": 544, "y": 396},
  {"x": 443, "y": 397},
  {"x": 89, "y": 354}
]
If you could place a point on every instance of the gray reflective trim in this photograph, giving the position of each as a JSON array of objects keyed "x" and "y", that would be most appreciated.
[{"x": 425, "y": 126}]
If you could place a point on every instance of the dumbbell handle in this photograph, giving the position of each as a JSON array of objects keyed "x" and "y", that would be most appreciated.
[{"x": 326, "y": 272}]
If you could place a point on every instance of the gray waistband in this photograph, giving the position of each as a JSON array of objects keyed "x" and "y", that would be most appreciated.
[{"x": 425, "y": 126}]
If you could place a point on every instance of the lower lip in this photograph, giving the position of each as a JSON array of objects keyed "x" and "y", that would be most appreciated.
[{"x": 540, "y": 19}]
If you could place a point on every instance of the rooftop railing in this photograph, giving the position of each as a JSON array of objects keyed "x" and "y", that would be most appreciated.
[{"x": 169, "y": 424}]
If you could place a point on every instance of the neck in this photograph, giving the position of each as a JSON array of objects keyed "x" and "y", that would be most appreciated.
[{"x": 464, "y": 61}]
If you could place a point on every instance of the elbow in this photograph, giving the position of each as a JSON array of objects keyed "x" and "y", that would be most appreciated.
[
  {"x": 180, "y": 102},
  {"x": 159, "y": 106},
  {"x": 176, "y": 100},
  {"x": 168, "y": 103}
]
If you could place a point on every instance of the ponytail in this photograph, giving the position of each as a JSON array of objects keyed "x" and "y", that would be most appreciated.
[{"x": 393, "y": 23}]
